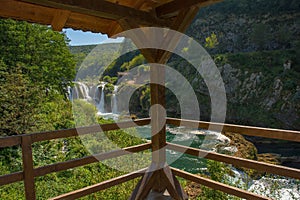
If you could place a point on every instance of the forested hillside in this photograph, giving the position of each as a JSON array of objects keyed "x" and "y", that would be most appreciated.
[
  {"x": 249, "y": 25},
  {"x": 250, "y": 41},
  {"x": 36, "y": 69}
]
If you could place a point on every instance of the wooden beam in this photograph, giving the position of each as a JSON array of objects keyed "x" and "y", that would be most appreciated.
[
  {"x": 100, "y": 186},
  {"x": 158, "y": 179},
  {"x": 244, "y": 130},
  {"x": 41, "y": 171},
  {"x": 50, "y": 135},
  {"x": 240, "y": 162},
  {"x": 28, "y": 172},
  {"x": 10, "y": 141},
  {"x": 180, "y": 24},
  {"x": 59, "y": 20},
  {"x": 172, "y": 8},
  {"x": 44, "y": 15},
  {"x": 172, "y": 184},
  {"x": 103, "y": 9},
  {"x": 218, "y": 186},
  {"x": 150, "y": 182},
  {"x": 11, "y": 178},
  {"x": 37, "y": 137},
  {"x": 144, "y": 186},
  {"x": 158, "y": 116},
  {"x": 138, "y": 37}
]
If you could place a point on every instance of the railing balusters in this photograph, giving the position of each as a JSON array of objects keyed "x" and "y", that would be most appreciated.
[{"x": 28, "y": 172}]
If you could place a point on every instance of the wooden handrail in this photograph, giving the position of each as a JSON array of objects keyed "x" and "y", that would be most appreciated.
[
  {"x": 11, "y": 178},
  {"x": 244, "y": 130},
  {"x": 100, "y": 186},
  {"x": 218, "y": 186},
  {"x": 37, "y": 137},
  {"x": 41, "y": 171},
  {"x": 10, "y": 141},
  {"x": 240, "y": 162},
  {"x": 29, "y": 172}
]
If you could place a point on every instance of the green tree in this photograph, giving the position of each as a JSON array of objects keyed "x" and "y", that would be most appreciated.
[
  {"x": 43, "y": 54},
  {"x": 36, "y": 68},
  {"x": 19, "y": 101}
]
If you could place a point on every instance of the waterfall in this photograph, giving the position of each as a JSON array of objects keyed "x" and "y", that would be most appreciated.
[
  {"x": 85, "y": 91},
  {"x": 102, "y": 103},
  {"x": 80, "y": 91},
  {"x": 70, "y": 93},
  {"x": 97, "y": 94},
  {"x": 114, "y": 102},
  {"x": 93, "y": 92}
]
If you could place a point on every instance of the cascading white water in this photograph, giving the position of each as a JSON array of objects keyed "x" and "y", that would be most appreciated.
[
  {"x": 80, "y": 91},
  {"x": 75, "y": 92},
  {"x": 85, "y": 91},
  {"x": 70, "y": 93},
  {"x": 114, "y": 102},
  {"x": 102, "y": 103}
]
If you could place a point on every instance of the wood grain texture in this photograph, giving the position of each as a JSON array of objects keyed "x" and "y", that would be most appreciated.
[
  {"x": 172, "y": 8},
  {"x": 10, "y": 141},
  {"x": 239, "y": 162},
  {"x": 41, "y": 171},
  {"x": 100, "y": 186},
  {"x": 11, "y": 178},
  {"x": 59, "y": 20},
  {"x": 102, "y": 9},
  {"x": 244, "y": 130},
  {"x": 50, "y": 135},
  {"x": 218, "y": 186},
  {"x": 28, "y": 172}
]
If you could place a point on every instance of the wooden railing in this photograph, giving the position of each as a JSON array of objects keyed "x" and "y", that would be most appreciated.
[{"x": 29, "y": 172}]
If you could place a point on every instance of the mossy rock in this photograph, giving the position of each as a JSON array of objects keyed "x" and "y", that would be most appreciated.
[
  {"x": 245, "y": 148},
  {"x": 266, "y": 158}
]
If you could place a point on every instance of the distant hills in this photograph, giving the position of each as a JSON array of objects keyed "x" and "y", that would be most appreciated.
[{"x": 254, "y": 40}]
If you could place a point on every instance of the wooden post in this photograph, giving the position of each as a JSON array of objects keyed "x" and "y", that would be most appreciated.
[
  {"x": 159, "y": 176},
  {"x": 158, "y": 130},
  {"x": 28, "y": 172}
]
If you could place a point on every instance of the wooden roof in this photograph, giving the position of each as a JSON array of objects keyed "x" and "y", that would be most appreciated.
[{"x": 103, "y": 16}]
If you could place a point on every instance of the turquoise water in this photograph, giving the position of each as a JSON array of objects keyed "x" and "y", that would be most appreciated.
[
  {"x": 178, "y": 160},
  {"x": 176, "y": 135}
]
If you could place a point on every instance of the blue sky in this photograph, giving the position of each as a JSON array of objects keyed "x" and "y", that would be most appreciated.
[{"x": 86, "y": 38}]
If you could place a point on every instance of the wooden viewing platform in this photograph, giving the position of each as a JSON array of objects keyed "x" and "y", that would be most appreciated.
[
  {"x": 29, "y": 172},
  {"x": 112, "y": 17}
]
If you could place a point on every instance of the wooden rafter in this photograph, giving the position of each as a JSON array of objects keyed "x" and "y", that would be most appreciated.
[
  {"x": 172, "y": 8},
  {"x": 60, "y": 19},
  {"x": 103, "y": 9},
  {"x": 46, "y": 15}
]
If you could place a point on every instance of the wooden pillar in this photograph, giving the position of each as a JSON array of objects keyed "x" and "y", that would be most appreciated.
[
  {"x": 158, "y": 115},
  {"x": 159, "y": 176},
  {"x": 28, "y": 172}
]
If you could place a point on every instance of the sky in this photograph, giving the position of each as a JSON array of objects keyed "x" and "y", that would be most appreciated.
[{"x": 87, "y": 38}]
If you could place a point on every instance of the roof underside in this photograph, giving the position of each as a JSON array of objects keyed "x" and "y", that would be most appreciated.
[{"x": 99, "y": 15}]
